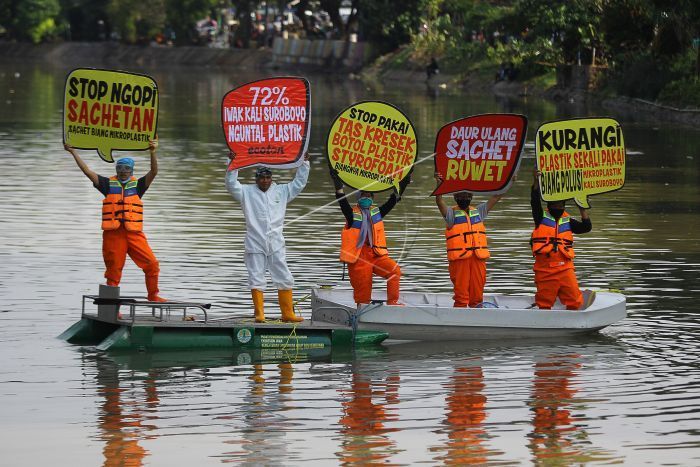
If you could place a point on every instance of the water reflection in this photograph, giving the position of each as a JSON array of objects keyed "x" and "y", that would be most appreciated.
[
  {"x": 125, "y": 415},
  {"x": 366, "y": 413},
  {"x": 264, "y": 442},
  {"x": 630, "y": 397},
  {"x": 559, "y": 437},
  {"x": 464, "y": 423}
]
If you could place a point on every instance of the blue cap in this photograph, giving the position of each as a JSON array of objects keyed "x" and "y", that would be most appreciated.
[{"x": 126, "y": 161}]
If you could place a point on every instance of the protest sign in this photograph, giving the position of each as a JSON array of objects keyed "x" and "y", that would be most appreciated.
[
  {"x": 372, "y": 145},
  {"x": 479, "y": 154},
  {"x": 266, "y": 122},
  {"x": 109, "y": 110},
  {"x": 579, "y": 158}
]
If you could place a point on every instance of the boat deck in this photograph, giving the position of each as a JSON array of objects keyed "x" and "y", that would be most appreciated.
[{"x": 134, "y": 323}]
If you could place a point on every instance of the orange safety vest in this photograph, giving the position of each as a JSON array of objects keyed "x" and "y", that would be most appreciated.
[
  {"x": 552, "y": 236},
  {"x": 122, "y": 205},
  {"x": 466, "y": 236},
  {"x": 350, "y": 236}
]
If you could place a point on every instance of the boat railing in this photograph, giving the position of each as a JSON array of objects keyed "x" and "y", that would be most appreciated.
[{"x": 159, "y": 308}]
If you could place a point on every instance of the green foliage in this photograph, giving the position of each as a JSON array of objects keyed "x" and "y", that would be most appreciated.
[
  {"x": 86, "y": 20},
  {"x": 558, "y": 31},
  {"x": 385, "y": 25},
  {"x": 684, "y": 93},
  {"x": 683, "y": 88},
  {"x": 182, "y": 16},
  {"x": 135, "y": 20},
  {"x": 32, "y": 20},
  {"x": 641, "y": 75}
]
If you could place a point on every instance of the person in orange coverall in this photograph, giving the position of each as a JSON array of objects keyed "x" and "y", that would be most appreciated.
[
  {"x": 467, "y": 250},
  {"x": 552, "y": 244},
  {"x": 363, "y": 242},
  {"x": 122, "y": 219}
]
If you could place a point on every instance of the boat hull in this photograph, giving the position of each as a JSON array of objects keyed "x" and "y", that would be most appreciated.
[{"x": 430, "y": 317}]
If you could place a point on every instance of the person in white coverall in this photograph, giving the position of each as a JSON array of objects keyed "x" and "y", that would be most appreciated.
[{"x": 264, "y": 206}]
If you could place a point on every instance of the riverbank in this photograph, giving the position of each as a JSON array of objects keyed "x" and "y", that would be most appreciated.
[
  {"x": 113, "y": 54},
  {"x": 393, "y": 69},
  {"x": 397, "y": 70}
]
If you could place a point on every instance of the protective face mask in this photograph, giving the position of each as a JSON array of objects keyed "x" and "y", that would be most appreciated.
[
  {"x": 365, "y": 202},
  {"x": 556, "y": 212},
  {"x": 464, "y": 204}
]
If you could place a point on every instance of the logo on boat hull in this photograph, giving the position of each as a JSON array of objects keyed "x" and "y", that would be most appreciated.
[{"x": 244, "y": 335}]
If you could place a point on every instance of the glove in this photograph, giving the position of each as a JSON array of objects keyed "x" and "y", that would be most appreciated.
[
  {"x": 404, "y": 183},
  {"x": 337, "y": 182}
]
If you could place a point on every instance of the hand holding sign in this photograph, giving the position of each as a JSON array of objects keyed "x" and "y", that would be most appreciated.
[
  {"x": 266, "y": 122},
  {"x": 372, "y": 146},
  {"x": 479, "y": 153},
  {"x": 579, "y": 158},
  {"x": 109, "y": 110}
]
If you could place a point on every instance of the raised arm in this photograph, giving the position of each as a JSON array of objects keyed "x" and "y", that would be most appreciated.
[
  {"x": 492, "y": 202},
  {"x": 232, "y": 184},
  {"x": 83, "y": 166},
  {"x": 584, "y": 226},
  {"x": 535, "y": 204},
  {"x": 340, "y": 196},
  {"x": 300, "y": 178},
  {"x": 151, "y": 175},
  {"x": 385, "y": 208},
  {"x": 441, "y": 204}
]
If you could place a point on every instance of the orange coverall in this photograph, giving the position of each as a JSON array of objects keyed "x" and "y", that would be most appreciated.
[
  {"x": 555, "y": 276},
  {"x": 468, "y": 277},
  {"x": 361, "y": 272},
  {"x": 116, "y": 244},
  {"x": 122, "y": 223}
]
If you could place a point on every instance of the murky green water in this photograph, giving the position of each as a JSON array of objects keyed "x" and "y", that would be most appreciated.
[{"x": 629, "y": 395}]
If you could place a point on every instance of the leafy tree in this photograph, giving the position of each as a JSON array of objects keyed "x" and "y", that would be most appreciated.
[
  {"x": 135, "y": 20},
  {"x": 88, "y": 20},
  {"x": 559, "y": 31},
  {"x": 182, "y": 16},
  {"x": 33, "y": 20},
  {"x": 385, "y": 25}
]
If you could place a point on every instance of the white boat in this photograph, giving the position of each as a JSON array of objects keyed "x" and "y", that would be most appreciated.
[{"x": 431, "y": 316}]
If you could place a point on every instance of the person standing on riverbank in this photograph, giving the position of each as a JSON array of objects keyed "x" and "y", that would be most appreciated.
[
  {"x": 363, "y": 243},
  {"x": 467, "y": 249},
  {"x": 552, "y": 244},
  {"x": 264, "y": 206},
  {"x": 122, "y": 219}
]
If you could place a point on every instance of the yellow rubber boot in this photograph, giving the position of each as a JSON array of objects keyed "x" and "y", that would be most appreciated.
[
  {"x": 287, "y": 307},
  {"x": 259, "y": 304}
]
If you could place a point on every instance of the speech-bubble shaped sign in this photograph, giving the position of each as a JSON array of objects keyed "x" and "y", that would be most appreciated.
[
  {"x": 109, "y": 111},
  {"x": 480, "y": 153},
  {"x": 266, "y": 122},
  {"x": 579, "y": 158},
  {"x": 372, "y": 145}
]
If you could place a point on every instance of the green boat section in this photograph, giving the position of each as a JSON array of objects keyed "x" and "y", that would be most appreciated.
[
  {"x": 230, "y": 334},
  {"x": 135, "y": 324}
]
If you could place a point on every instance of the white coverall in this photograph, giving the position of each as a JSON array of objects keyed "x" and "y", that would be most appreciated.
[{"x": 264, "y": 213}]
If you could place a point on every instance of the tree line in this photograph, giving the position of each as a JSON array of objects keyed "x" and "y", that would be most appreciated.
[{"x": 648, "y": 48}]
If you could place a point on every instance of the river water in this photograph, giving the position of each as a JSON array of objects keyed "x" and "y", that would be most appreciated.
[{"x": 628, "y": 395}]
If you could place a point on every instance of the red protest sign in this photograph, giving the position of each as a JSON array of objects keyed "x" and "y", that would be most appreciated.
[
  {"x": 266, "y": 122},
  {"x": 479, "y": 153}
]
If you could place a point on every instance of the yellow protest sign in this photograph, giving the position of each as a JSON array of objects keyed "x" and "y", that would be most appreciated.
[
  {"x": 372, "y": 145},
  {"x": 579, "y": 158},
  {"x": 109, "y": 110}
]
